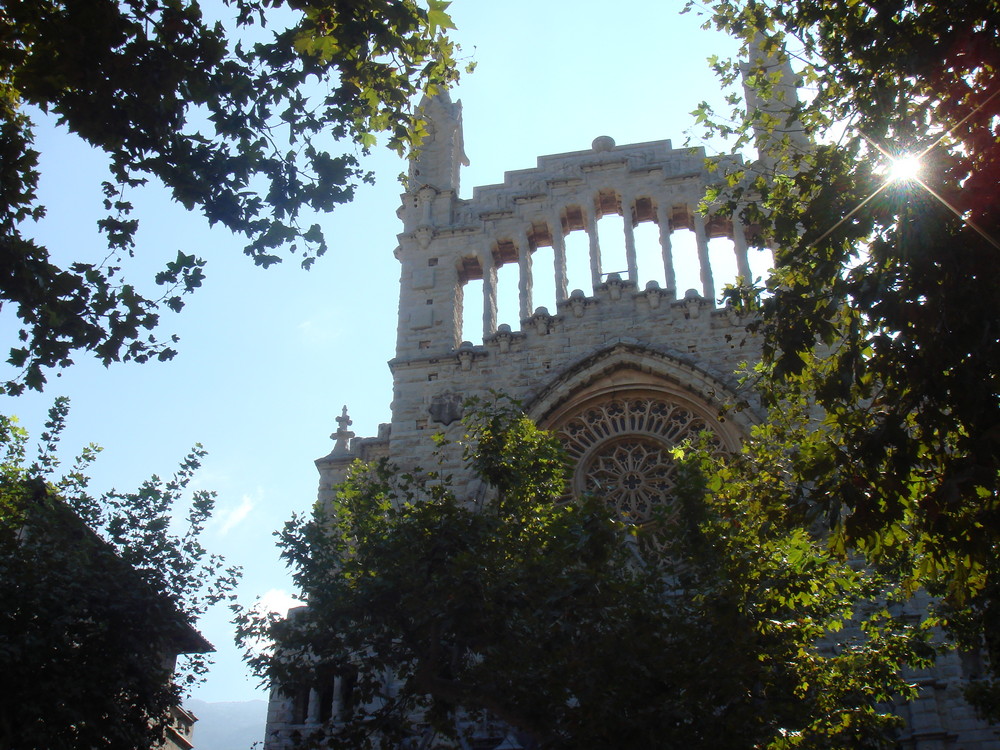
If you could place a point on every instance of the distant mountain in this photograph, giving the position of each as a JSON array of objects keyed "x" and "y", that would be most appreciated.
[{"x": 228, "y": 726}]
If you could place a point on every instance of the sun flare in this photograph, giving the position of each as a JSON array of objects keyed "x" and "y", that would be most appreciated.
[{"x": 904, "y": 168}]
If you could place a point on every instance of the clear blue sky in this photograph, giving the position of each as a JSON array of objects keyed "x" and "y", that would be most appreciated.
[{"x": 267, "y": 358}]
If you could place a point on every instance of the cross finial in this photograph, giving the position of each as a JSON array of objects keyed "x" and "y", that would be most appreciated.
[
  {"x": 343, "y": 435},
  {"x": 343, "y": 421}
]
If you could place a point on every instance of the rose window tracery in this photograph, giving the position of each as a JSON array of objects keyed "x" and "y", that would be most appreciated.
[
  {"x": 635, "y": 476},
  {"x": 621, "y": 448}
]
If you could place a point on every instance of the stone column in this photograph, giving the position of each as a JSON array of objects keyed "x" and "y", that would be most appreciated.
[
  {"x": 633, "y": 267},
  {"x": 559, "y": 255},
  {"x": 489, "y": 290},
  {"x": 336, "y": 710},
  {"x": 524, "y": 283},
  {"x": 701, "y": 237},
  {"x": 663, "y": 219},
  {"x": 595, "y": 246},
  {"x": 312, "y": 713},
  {"x": 740, "y": 248}
]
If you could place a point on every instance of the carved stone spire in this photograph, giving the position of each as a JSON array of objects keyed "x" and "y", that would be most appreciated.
[
  {"x": 442, "y": 152},
  {"x": 768, "y": 58}
]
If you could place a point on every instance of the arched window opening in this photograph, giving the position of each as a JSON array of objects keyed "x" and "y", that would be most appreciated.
[
  {"x": 469, "y": 300},
  {"x": 326, "y": 698},
  {"x": 471, "y": 310},
  {"x": 348, "y": 695},
  {"x": 611, "y": 235},
  {"x": 723, "y": 259},
  {"x": 507, "y": 299},
  {"x": 687, "y": 269},
  {"x": 649, "y": 255},
  {"x": 300, "y": 705},
  {"x": 761, "y": 263},
  {"x": 543, "y": 277},
  {"x": 721, "y": 253},
  {"x": 578, "y": 263},
  {"x": 577, "y": 245}
]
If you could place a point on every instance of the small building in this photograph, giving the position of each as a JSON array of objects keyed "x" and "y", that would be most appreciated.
[{"x": 89, "y": 644}]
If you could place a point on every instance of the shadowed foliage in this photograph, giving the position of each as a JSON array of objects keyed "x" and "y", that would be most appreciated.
[
  {"x": 100, "y": 595},
  {"x": 882, "y": 308},
  {"x": 561, "y": 625}
]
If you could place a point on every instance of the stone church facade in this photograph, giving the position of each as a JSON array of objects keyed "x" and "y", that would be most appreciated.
[{"x": 621, "y": 370}]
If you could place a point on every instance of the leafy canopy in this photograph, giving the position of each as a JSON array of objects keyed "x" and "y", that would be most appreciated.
[
  {"x": 99, "y": 595},
  {"x": 556, "y": 622},
  {"x": 881, "y": 309},
  {"x": 256, "y": 122}
]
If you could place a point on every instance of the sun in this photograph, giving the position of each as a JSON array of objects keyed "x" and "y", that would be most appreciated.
[{"x": 904, "y": 168}]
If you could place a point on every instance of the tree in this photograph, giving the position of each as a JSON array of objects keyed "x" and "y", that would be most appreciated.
[
  {"x": 234, "y": 124},
  {"x": 881, "y": 310},
  {"x": 556, "y": 621},
  {"x": 99, "y": 595}
]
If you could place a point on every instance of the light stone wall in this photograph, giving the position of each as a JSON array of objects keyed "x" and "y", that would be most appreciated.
[
  {"x": 687, "y": 343},
  {"x": 447, "y": 241}
]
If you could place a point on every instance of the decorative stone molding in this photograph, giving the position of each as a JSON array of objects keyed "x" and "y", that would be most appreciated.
[
  {"x": 693, "y": 302},
  {"x": 542, "y": 321},
  {"x": 465, "y": 355},
  {"x": 654, "y": 295},
  {"x": 446, "y": 407},
  {"x": 423, "y": 235},
  {"x": 504, "y": 337},
  {"x": 635, "y": 477},
  {"x": 577, "y": 301},
  {"x": 614, "y": 285},
  {"x": 629, "y": 366}
]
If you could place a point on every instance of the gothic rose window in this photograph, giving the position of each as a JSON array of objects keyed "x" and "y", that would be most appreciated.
[
  {"x": 634, "y": 476},
  {"x": 621, "y": 448}
]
